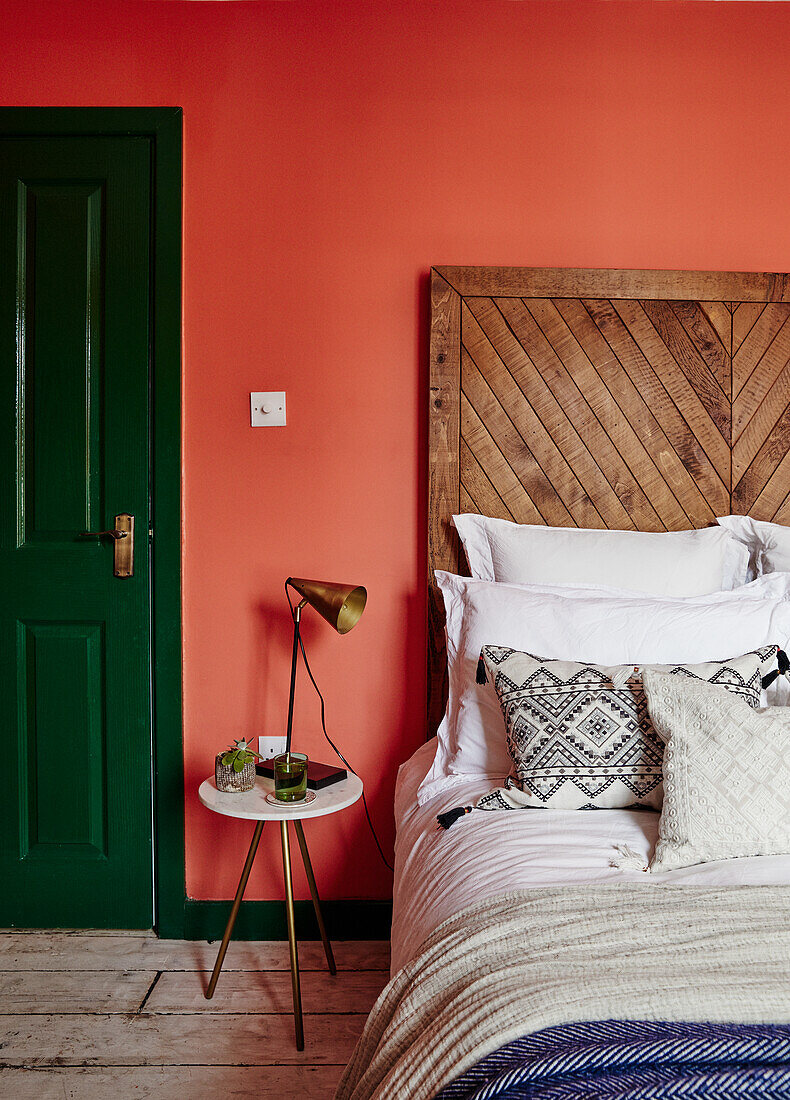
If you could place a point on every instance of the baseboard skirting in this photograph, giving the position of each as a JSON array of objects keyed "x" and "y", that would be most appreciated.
[{"x": 265, "y": 920}]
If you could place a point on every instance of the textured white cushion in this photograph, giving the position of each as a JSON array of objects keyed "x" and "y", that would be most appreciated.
[
  {"x": 768, "y": 544},
  {"x": 726, "y": 774},
  {"x": 675, "y": 563},
  {"x": 581, "y": 624},
  {"x": 580, "y": 735}
]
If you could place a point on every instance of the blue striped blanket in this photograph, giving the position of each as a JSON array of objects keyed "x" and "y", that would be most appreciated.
[{"x": 637, "y": 1060}]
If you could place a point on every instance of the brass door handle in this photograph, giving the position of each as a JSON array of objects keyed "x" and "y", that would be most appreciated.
[
  {"x": 114, "y": 534},
  {"x": 123, "y": 538}
]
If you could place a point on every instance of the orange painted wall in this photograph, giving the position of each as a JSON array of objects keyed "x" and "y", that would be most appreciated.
[{"x": 333, "y": 152}]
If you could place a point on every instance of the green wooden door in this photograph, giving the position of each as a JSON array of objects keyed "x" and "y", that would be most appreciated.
[{"x": 75, "y": 769}]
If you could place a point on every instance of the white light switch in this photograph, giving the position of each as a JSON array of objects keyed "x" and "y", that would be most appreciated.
[{"x": 267, "y": 410}]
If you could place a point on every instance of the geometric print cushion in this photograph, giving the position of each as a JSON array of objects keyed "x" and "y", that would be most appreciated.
[
  {"x": 726, "y": 774},
  {"x": 580, "y": 735}
]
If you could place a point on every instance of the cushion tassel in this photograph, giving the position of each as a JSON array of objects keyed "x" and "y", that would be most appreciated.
[
  {"x": 481, "y": 671},
  {"x": 449, "y": 816},
  {"x": 783, "y": 661},
  {"x": 627, "y": 859}
]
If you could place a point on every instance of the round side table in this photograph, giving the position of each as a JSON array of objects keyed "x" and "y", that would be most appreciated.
[{"x": 252, "y": 805}]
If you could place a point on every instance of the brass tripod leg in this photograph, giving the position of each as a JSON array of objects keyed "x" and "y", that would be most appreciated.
[
  {"x": 308, "y": 870},
  {"x": 289, "y": 912},
  {"x": 245, "y": 874}
]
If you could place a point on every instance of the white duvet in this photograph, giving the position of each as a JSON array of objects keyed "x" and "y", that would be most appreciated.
[{"x": 439, "y": 872}]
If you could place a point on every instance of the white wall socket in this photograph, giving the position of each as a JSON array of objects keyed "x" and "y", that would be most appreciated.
[
  {"x": 267, "y": 410},
  {"x": 271, "y": 746}
]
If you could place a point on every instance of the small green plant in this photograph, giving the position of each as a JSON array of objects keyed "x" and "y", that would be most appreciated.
[{"x": 239, "y": 755}]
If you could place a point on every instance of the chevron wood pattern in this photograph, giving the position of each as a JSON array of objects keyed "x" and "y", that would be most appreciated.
[
  {"x": 581, "y": 402},
  {"x": 651, "y": 401},
  {"x": 761, "y": 411}
]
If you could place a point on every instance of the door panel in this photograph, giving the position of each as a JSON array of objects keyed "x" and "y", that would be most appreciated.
[
  {"x": 59, "y": 230},
  {"x": 63, "y": 809},
  {"x": 75, "y": 230}
]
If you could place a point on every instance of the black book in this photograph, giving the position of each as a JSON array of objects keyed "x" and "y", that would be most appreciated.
[{"x": 318, "y": 775}]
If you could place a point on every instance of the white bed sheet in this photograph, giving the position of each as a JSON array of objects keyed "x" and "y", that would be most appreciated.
[{"x": 438, "y": 872}]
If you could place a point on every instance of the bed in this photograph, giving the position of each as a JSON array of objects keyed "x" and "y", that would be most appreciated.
[{"x": 526, "y": 960}]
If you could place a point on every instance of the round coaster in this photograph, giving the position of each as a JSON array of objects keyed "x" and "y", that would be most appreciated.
[{"x": 308, "y": 798}]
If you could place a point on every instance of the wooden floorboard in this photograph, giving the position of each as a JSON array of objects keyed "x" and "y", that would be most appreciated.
[
  {"x": 192, "y": 1039},
  {"x": 122, "y": 951},
  {"x": 91, "y": 1015},
  {"x": 171, "y": 1083},
  {"x": 266, "y": 991},
  {"x": 37, "y": 992}
]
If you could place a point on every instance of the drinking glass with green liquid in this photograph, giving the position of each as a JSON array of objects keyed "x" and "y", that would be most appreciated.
[{"x": 290, "y": 777}]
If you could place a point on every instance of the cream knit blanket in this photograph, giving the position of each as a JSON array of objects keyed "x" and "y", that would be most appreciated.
[{"x": 536, "y": 958}]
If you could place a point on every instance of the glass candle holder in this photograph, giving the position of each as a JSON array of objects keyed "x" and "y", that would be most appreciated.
[{"x": 290, "y": 777}]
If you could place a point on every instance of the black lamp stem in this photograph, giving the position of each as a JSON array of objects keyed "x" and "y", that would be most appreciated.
[{"x": 297, "y": 617}]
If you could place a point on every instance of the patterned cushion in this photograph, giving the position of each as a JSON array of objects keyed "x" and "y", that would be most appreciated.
[
  {"x": 726, "y": 774},
  {"x": 580, "y": 736}
]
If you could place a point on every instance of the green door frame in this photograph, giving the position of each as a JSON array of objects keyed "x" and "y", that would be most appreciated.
[{"x": 163, "y": 125}]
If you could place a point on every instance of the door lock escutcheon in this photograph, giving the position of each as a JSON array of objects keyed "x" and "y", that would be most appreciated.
[{"x": 123, "y": 543}]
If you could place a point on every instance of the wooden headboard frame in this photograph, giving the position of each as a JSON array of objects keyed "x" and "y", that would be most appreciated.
[{"x": 649, "y": 400}]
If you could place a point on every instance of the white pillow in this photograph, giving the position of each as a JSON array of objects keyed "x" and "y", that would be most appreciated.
[
  {"x": 596, "y": 625},
  {"x": 672, "y": 563},
  {"x": 768, "y": 544},
  {"x": 726, "y": 774}
]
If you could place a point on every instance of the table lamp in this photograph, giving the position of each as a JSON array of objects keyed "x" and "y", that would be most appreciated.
[{"x": 342, "y": 606}]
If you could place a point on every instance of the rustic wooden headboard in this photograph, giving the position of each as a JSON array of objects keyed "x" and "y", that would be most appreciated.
[{"x": 646, "y": 400}]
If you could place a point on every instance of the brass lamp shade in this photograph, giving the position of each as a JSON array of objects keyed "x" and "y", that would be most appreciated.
[{"x": 340, "y": 604}]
